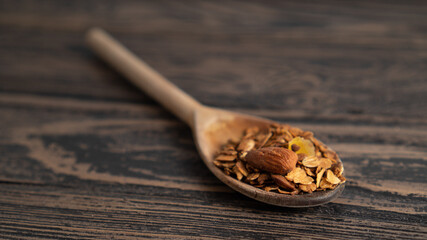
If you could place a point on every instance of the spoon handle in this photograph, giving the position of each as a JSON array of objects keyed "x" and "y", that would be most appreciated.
[{"x": 142, "y": 75}]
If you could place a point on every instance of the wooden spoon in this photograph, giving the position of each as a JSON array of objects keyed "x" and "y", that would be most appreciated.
[{"x": 211, "y": 127}]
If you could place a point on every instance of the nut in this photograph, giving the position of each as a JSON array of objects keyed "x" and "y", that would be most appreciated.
[
  {"x": 282, "y": 182},
  {"x": 273, "y": 159}
]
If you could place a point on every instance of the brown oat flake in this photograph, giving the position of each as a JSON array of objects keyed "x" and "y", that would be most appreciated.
[
  {"x": 246, "y": 145},
  {"x": 296, "y": 191},
  {"x": 325, "y": 163},
  {"x": 309, "y": 172},
  {"x": 311, "y": 161},
  {"x": 324, "y": 184},
  {"x": 252, "y": 176},
  {"x": 251, "y": 132},
  {"x": 239, "y": 174},
  {"x": 319, "y": 177},
  {"x": 304, "y": 180},
  {"x": 330, "y": 177},
  {"x": 269, "y": 189},
  {"x": 228, "y": 165},
  {"x": 308, "y": 187},
  {"x": 298, "y": 175},
  {"x": 265, "y": 139},
  {"x": 296, "y": 131},
  {"x": 262, "y": 178}
]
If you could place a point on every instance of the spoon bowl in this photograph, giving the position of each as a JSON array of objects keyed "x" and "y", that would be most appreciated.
[
  {"x": 214, "y": 127},
  {"x": 211, "y": 127}
]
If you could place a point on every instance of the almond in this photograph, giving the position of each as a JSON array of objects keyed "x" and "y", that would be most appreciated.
[
  {"x": 273, "y": 159},
  {"x": 282, "y": 182}
]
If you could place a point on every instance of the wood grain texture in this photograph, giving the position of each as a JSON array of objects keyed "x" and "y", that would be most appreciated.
[{"x": 84, "y": 155}]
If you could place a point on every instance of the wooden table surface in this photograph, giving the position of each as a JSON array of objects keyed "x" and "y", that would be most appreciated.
[{"x": 84, "y": 154}]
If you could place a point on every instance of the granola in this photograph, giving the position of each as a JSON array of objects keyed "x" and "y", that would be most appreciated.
[{"x": 284, "y": 159}]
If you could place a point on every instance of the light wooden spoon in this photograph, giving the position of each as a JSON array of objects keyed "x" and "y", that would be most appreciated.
[{"x": 211, "y": 127}]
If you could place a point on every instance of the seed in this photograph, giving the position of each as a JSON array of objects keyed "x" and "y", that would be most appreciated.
[
  {"x": 236, "y": 171},
  {"x": 226, "y": 158},
  {"x": 295, "y": 147},
  {"x": 242, "y": 168}
]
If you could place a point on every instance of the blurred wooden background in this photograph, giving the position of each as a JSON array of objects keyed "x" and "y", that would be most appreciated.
[{"x": 83, "y": 154}]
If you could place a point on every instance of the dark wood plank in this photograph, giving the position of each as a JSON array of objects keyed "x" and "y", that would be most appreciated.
[
  {"x": 310, "y": 57},
  {"x": 133, "y": 144},
  {"x": 98, "y": 211},
  {"x": 83, "y": 154}
]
